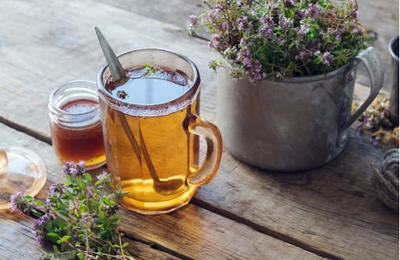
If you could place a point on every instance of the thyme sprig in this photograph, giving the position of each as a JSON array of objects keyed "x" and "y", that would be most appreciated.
[{"x": 77, "y": 218}]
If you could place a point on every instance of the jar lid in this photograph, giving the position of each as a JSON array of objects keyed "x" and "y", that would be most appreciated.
[{"x": 21, "y": 170}]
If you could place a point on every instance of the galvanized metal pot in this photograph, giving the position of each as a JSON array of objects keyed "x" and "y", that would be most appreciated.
[
  {"x": 394, "y": 90},
  {"x": 296, "y": 124}
]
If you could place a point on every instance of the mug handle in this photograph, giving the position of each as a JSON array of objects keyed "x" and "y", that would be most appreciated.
[
  {"x": 199, "y": 126},
  {"x": 373, "y": 62}
]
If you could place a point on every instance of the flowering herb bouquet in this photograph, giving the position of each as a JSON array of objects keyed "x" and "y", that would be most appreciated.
[
  {"x": 79, "y": 219},
  {"x": 275, "y": 39}
]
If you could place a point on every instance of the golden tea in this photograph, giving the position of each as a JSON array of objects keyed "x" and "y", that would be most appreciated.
[{"x": 151, "y": 132}]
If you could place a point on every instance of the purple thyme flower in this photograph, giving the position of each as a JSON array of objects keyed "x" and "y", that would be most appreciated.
[
  {"x": 87, "y": 219},
  {"x": 313, "y": 10},
  {"x": 305, "y": 54},
  {"x": 65, "y": 168},
  {"x": 40, "y": 221},
  {"x": 266, "y": 28},
  {"x": 43, "y": 219},
  {"x": 230, "y": 53},
  {"x": 53, "y": 188},
  {"x": 212, "y": 16},
  {"x": 73, "y": 171},
  {"x": 245, "y": 41},
  {"x": 15, "y": 199},
  {"x": 39, "y": 239},
  {"x": 104, "y": 176},
  {"x": 285, "y": 23},
  {"x": 327, "y": 59},
  {"x": 337, "y": 32},
  {"x": 223, "y": 26},
  {"x": 358, "y": 29},
  {"x": 193, "y": 20},
  {"x": 215, "y": 42},
  {"x": 301, "y": 32},
  {"x": 243, "y": 23},
  {"x": 288, "y": 2},
  {"x": 282, "y": 39},
  {"x": 35, "y": 224},
  {"x": 354, "y": 14},
  {"x": 252, "y": 68},
  {"x": 81, "y": 164},
  {"x": 219, "y": 7},
  {"x": 278, "y": 75},
  {"x": 73, "y": 168}
]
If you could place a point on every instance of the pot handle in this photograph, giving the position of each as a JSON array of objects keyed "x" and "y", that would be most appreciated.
[{"x": 373, "y": 62}]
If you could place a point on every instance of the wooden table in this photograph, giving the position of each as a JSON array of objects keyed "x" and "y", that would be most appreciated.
[{"x": 244, "y": 213}]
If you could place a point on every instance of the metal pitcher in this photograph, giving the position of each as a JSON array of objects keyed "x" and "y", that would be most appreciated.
[
  {"x": 394, "y": 90},
  {"x": 296, "y": 124}
]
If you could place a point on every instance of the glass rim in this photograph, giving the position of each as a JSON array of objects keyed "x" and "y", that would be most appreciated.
[
  {"x": 124, "y": 105},
  {"x": 53, "y": 106}
]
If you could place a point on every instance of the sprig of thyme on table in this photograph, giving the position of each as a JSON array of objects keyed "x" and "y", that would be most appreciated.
[{"x": 77, "y": 218}]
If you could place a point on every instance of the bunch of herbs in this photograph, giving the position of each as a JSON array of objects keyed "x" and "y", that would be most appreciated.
[
  {"x": 276, "y": 39},
  {"x": 78, "y": 218}
]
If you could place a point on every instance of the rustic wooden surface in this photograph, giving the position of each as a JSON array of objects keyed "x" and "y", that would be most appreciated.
[{"x": 244, "y": 213}]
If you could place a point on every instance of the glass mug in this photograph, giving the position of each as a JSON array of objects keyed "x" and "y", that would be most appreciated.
[{"x": 151, "y": 132}]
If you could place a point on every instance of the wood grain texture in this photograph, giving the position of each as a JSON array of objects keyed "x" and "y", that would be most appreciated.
[
  {"x": 382, "y": 19},
  {"x": 331, "y": 211},
  {"x": 17, "y": 239},
  {"x": 60, "y": 45},
  {"x": 189, "y": 233}
]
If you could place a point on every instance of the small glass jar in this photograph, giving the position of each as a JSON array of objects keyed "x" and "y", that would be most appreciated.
[{"x": 75, "y": 124}]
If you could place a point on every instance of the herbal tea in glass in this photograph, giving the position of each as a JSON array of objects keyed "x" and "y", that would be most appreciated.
[{"x": 152, "y": 132}]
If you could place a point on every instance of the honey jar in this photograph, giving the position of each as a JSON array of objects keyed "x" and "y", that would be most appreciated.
[{"x": 75, "y": 124}]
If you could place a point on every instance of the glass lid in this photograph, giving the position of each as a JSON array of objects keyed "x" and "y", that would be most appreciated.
[{"x": 21, "y": 170}]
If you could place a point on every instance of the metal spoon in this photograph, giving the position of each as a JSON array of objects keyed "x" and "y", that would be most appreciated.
[{"x": 167, "y": 187}]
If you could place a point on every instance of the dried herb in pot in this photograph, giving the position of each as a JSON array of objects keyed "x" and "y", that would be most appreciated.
[{"x": 275, "y": 39}]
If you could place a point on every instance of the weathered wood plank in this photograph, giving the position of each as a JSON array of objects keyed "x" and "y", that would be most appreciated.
[
  {"x": 192, "y": 232},
  {"x": 61, "y": 45},
  {"x": 333, "y": 209},
  {"x": 175, "y": 12},
  {"x": 310, "y": 209},
  {"x": 382, "y": 19},
  {"x": 17, "y": 238}
]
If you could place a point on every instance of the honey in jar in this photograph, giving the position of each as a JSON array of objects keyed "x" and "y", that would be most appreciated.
[{"x": 75, "y": 124}]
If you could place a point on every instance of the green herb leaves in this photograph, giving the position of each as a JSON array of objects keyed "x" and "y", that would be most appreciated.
[{"x": 77, "y": 217}]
